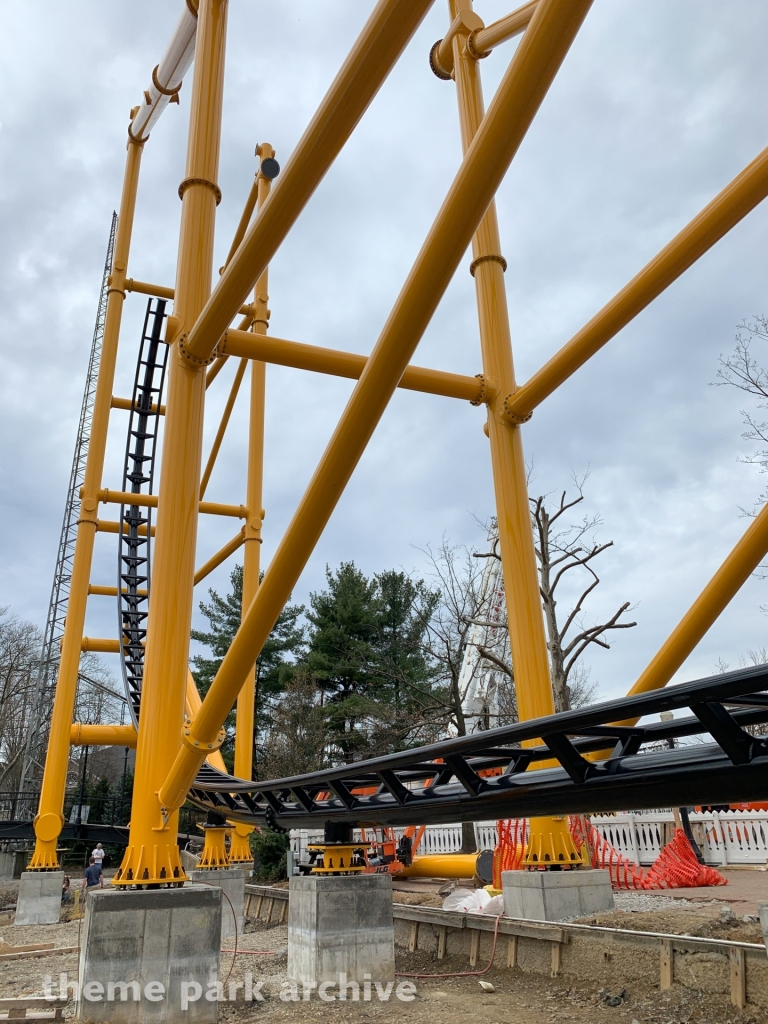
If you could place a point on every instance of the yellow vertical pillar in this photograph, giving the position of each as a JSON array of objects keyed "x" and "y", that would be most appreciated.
[
  {"x": 550, "y": 840},
  {"x": 152, "y": 855},
  {"x": 49, "y": 820},
  {"x": 240, "y": 850}
]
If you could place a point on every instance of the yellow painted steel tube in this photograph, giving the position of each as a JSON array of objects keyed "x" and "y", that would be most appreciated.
[
  {"x": 221, "y": 556},
  {"x": 192, "y": 703},
  {"x": 99, "y": 645},
  {"x": 374, "y": 54},
  {"x": 220, "y": 361},
  {"x": 246, "y": 698},
  {"x": 708, "y": 606},
  {"x": 505, "y": 28},
  {"x": 521, "y": 580},
  {"x": 528, "y": 642},
  {"x": 736, "y": 200},
  {"x": 152, "y": 856},
  {"x": 162, "y": 292},
  {"x": 522, "y": 90},
  {"x": 213, "y": 508},
  {"x": 112, "y": 526},
  {"x": 223, "y": 424},
  {"x": 345, "y": 364},
  {"x": 49, "y": 819},
  {"x": 442, "y": 865},
  {"x": 127, "y": 404},
  {"x": 81, "y": 735}
]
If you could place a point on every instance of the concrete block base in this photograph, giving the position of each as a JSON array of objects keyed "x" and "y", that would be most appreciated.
[
  {"x": 340, "y": 925},
  {"x": 150, "y": 956},
  {"x": 39, "y": 900},
  {"x": 556, "y": 895},
  {"x": 231, "y": 881}
]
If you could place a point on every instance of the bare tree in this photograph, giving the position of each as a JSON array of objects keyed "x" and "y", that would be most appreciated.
[
  {"x": 742, "y": 370},
  {"x": 563, "y": 548},
  {"x": 19, "y": 652},
  {"x": 457, "y": 575}
]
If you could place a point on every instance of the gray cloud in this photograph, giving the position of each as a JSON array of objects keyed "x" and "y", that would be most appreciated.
[{"x": 656, "y": 108}]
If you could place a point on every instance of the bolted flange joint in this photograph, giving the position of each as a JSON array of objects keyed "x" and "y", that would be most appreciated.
[
  {"x": 185, "y": 353},
  {"x": 513, "y": 417},
  {"x": 488, "y": 390},
  {"x": 189, "y": 740}
]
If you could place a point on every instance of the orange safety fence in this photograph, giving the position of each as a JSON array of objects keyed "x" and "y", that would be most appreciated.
[{"x": 676, "y": 867}]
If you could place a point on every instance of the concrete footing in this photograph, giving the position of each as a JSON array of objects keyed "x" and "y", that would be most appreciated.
[
  {"x": 150, "y": 956},
  {"x": 340, "y": 929},
  {"x": 39, "y": 900},
  {"x": 556, "y": 895},
  {"x": 231, "y": 881}
]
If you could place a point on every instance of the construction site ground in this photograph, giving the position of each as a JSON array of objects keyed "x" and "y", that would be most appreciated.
[{"x": 517, "y": 997}]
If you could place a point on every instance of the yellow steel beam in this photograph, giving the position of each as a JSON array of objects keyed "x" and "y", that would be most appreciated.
[
  {"x": 528, "y": 642},
  {"x": 126, "y": 403},
  {"x": 346, "y": 364},
  {"x": 477, "y": 40},
  {"x": 505, "y": 28},
  {"x": 161, "y": 292},
  {"x": 708, "y": 606},
  {"x": 519, "y": 96},
  {"x": 81, "y": 735},
  {"x": 211, "y": 508},
  {"x": 111, "y": 526},
  {"x": 111, "y": 591},
  {"x": 221, "y": 556},
  {"x": 192, "y": 702},
  {"x": 246, "y": 698},
  {"x": 374, "y": 54},
  {"x": 230, "y": 404},
  {"x": 219, "y": 362},
  {"x": 49, "y": 820},
  {"x": 736, "y": 200},
  {"x": 152, "y": 855},
  {"x": 99, "y": 645}
]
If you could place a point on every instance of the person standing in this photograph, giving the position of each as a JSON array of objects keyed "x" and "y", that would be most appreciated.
[
  {"x": 98, "y": 854},
  {"x": 92, "y": 875}
]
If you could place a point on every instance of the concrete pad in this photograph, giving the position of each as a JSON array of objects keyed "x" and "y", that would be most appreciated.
[
  {"x": 39, "y": 900},
  {"x": 143, "y": 951},
  {"x": 340, "y": 925},
  {"x": 556, "y": 895},
  {"x": 231, "y": 881}
]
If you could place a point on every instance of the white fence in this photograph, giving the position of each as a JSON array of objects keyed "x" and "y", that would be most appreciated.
[
  {"x": 724, "y": 837},
  {"x": 732, "y": 837}
]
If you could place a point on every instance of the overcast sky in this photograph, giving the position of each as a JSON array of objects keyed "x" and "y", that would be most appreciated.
[{"x": 657, "y": 106}]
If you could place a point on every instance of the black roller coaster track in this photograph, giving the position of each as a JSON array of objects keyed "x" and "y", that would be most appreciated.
[
  {"x": 133, "y": 573},
  {"x": 580, "y": 762},
  {"x": 486, "y": 775}
]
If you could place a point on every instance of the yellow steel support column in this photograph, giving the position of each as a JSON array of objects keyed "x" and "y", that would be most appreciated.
[
  {"x": 533, "y": 67},
  {"x": 528, "y": 642},
  {"x": 152, "y": 855},
  {"x": 49, "y": 819},
  {"x": 240, "y": 850}
]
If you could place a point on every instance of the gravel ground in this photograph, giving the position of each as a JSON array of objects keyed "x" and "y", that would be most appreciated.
[{"x": 516, "y": 998}]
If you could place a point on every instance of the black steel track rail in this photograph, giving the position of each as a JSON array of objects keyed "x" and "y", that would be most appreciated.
[
  {"x": 134, "y": 538},
  {"x": 630, "y": 766}
]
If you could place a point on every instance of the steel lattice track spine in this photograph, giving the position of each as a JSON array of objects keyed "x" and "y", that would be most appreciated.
[
  {"x": 485, "y": 775},
  {"x": 135, "y": 529}
]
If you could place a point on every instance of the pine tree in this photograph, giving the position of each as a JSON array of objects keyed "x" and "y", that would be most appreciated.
[{"x": 284, "y": 644}]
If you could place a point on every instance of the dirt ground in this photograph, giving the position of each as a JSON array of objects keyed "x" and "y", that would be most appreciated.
[{"x": 515, "y": 998}]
